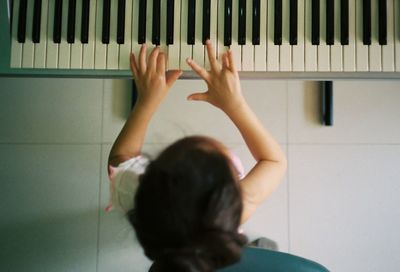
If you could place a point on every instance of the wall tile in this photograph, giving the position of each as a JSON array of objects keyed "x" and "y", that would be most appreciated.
[
  {"x": 178, "y": 117},
  {"x": 343, "y": 206},
  {"x": 49, "y": 207},
  {"x": 364, "y": 112},
  {"x": 34, "y": 110}
]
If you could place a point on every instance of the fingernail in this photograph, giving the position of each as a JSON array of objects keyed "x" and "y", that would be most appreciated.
[{"x": 188, "y": 60}]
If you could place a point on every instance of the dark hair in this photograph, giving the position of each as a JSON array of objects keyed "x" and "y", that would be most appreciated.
[{"x": 188, "y": 207}]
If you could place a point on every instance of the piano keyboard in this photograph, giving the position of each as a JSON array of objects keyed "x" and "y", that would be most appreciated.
[{"x": 264, "y": 35}]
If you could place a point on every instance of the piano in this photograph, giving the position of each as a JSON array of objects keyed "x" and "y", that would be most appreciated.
[{"x": 307, "y": 39}]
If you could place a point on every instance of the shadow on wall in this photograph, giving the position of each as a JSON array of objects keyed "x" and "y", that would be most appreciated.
[
  {"x": 312, "y": 102},
  {"x": 121, "y": 98}
]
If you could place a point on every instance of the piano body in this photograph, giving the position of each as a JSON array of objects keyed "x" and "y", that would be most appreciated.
[{"x": 308, "y": 39}]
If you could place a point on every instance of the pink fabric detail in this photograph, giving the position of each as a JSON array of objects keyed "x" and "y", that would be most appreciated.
[{"x": 237, "y": 163}]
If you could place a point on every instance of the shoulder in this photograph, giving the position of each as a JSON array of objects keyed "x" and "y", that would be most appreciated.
[
  {"x": 124, "y": 180},
  {"x": 135, "y": 164}
]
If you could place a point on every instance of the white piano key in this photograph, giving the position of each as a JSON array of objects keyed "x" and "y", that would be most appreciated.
[
  {"x": 174, "y": 54},
  {"x": 375, "y": 54},
  {"x": 198, "y": 47},
  {"x": 16, "y": 47},
  {"x": 388, "y": 50},
  {"x": 40, "y": 48},
  {"x": 52, "y": 48},
  {"x": 64, "y": 52},
  {"x": 213, "y": 32},
  {"x": 113, "y": 46},
  {"x": 272, "y": 49},
  {"x": 298, "y": 50},
  {"x": 221, "y": 48},
  {"x": 163, "y": 30},
  {"x": 125, "y": 48},
  {"x": 260, "y": 51},
  {"x": 28, "y": 47},
  {"x": 285, "y": 50},
  {"x": 248, "y": 48},
  {"x": 135, "y": 46},
  {"x": 88, "y": 48},
  {"x": 336, "y": 48},
  {"x": 323, "y": 48},
  {"x": 186, "y": 49},
  {"x": 397, "y": 34},
  {"x": 76, "y": 47},
  {"x": 235, "y": 47},
  {"x": 100, "y": 57},
  {"x": 149, "y": 28},
  {"x": 349, "y": 51},
  {"x": 362, "y": 60},
  {"x": 311, "y": 63}
]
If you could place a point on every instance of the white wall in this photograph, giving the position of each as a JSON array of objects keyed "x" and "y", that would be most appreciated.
[{"x": 337, "y": 205}]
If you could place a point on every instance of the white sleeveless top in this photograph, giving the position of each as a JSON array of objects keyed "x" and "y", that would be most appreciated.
[{"x": 124, "y": 181}]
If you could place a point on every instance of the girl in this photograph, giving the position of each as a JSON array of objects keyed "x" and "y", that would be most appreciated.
[{"x": 186, "y": 206}]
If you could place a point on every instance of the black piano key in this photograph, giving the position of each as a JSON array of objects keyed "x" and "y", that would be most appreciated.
[
  {"x": 191, "y": 21},
  {"x": 382, "y": 22},
  {"x": 278, "y": 23},
  {"x": 256, "y": 22},
  {"x": 85, "y": 21},
  {"x": 367, "y": 22},
  {"x": 71, "y": 21},
  {"x": 121, "y": 22},
  {"x": 293, "y": 22},
  {"x": 105, "y": 38},
  {"x": 330, "y": 22},
  {"x": 22, "y": 21},
  {"x": 315, "y": 16},
  {"x": 57, "y": 21},
  {"x": 242, "y": 22},
  {"x": 37, "y": 14},
  {"x": 142, "y": 21},
  {"x": 344, "y": 22},
  {"x": 156, "y": 22},
  {"x": 206, "y": 20},
  {"x": 170, "y": 21},
  {"x": 228, "y": 23}
]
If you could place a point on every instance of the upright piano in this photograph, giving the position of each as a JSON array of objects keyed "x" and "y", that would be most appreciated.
[{"x": 310, "y": 39}]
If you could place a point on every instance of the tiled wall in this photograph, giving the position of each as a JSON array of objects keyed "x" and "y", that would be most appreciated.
[{"x": 337, "y": 205}]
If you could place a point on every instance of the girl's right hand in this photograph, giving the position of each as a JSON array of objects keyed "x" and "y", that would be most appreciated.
[{"x": 223, "y": 83}]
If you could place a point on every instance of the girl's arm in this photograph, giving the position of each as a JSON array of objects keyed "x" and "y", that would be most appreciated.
[
  {"x": 153, "y": 84},
  {"x": 224, "y": 92}
]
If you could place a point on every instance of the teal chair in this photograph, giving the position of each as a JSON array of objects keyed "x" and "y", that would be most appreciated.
[{"x": 264, "y": 260}]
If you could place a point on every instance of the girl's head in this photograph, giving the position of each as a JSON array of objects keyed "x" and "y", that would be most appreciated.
[{"x": 188, "y": 208}]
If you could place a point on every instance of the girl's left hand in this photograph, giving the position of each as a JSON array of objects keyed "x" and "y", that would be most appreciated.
[{"x": 152, "y": 80}]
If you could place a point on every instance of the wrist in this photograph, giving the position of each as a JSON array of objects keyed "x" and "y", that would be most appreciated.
[{"x": 237, "y": 106}]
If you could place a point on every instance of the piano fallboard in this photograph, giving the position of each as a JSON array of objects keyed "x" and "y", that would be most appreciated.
[{"x": 286, "y": 45}]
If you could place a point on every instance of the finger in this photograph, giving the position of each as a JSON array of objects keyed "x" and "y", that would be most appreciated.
[
  {"x": 172, "y": 76},
  {"x": 161, "y": 63},
  {"x": 133, "y": 64},
  {"x": 232, "y": 65},
  {"x": 152, "y": 61},
  {"x": 225, "y": 61},
  {"x": 142, "y": 58},
  {"x": 198, "y": 97},
  {"x": 211, "y": 56},
  {"x": 199, "y": 70}
]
